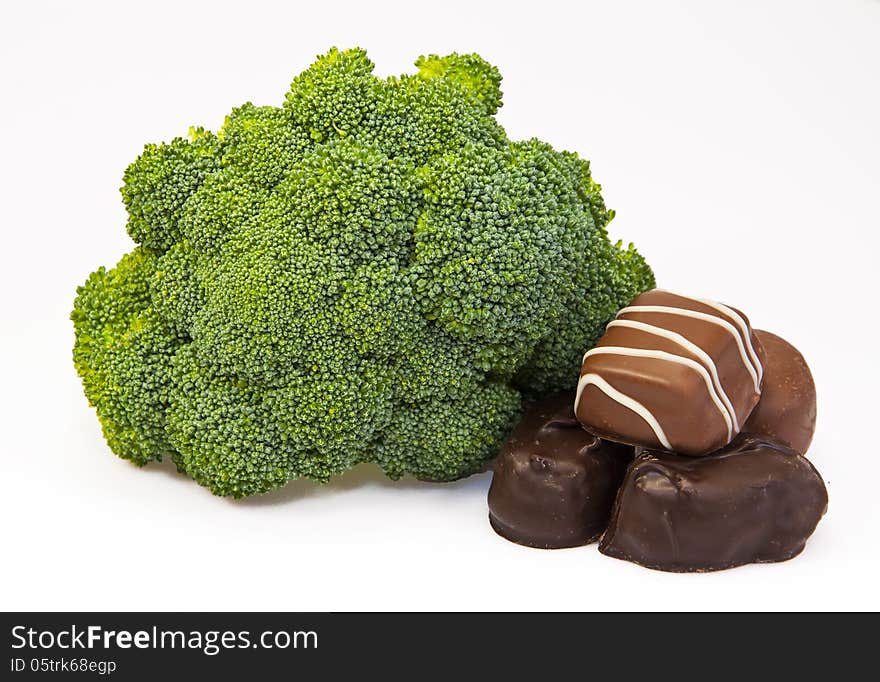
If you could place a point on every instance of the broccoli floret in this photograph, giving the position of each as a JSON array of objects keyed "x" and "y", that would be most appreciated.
[
  {"x": 610, "y": 279},
  {"x": 443, "y": 440},
  {"x": 158, "y": 183},
  {"x": 225, "y": 202},
  {"x": 502, "y": 234},
  {"x": 242, "y": 438},
  {"x": 470, "y": 71},
  {"x": 421, "y": 118},
  {"x": 123, "y": 353},
  {"x": 175, "y": 291},
  {"x": 260, "y": 145},
  {"x": 353, "y": 199},
  {"x": 332, "y": 98},
  {"x": 371, "y": 272}
]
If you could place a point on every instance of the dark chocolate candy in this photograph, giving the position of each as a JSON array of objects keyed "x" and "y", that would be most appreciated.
[
  {"x": 554, "y": 483},
  {"x": 787, "y": 409},
  {"x": 753, "y": 501},
  {"x": 673, "y": 373}
]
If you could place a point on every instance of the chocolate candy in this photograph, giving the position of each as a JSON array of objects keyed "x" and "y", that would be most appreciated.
[
  {"x": 787, "y": 409},
  {"x": 554, "y": 483},
  {"x": 671, "y": 372},
  {"x": 755, "y": 500}
]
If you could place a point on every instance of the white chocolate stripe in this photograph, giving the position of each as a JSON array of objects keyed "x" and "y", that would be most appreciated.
[
  {"x": 670, "y": 357},
  {"x": 744, "y": 328},
  {"x": 705, "y": 317},
  {"x": 691, "y": 347},
  {"x": 740, "y": 322},
  {"x": 624, "y": 400}
]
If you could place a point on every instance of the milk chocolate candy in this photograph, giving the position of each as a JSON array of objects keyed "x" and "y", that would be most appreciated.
[
  {"x": 554, "y": 483},
  {"x": 753, "y": 501},
  {"x": 787, "y": 409},
  {"x": 671, "y": 372}
]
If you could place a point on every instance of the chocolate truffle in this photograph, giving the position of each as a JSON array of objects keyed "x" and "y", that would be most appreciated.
[
  {"x": 554, "y": 483},
  {"x": 787, "y": 409},
  {"x": 753, "y": 501},
  {"x": 671, "y": 372}
]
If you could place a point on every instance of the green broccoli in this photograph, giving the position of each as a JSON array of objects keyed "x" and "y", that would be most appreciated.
[{"x": 371, "y": 272}]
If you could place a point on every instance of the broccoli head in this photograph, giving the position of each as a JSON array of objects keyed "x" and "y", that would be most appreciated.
[{"x": 370, "y": 272}]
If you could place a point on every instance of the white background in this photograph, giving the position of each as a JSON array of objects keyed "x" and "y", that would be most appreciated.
[{"x": 738, "y": 141}]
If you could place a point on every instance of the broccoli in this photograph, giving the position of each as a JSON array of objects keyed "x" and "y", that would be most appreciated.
[{"x": 370, "y": 272}]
